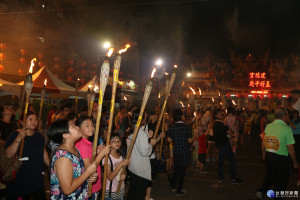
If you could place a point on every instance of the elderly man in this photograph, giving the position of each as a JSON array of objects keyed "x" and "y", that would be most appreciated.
[{"x": 279, "y": 142}]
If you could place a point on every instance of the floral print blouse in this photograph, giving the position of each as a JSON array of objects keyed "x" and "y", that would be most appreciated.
[{"x": 56, "y": 193}]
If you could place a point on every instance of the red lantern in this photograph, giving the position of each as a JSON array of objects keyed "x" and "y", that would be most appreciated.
[
  {"x": 40, "y": 55},
  {"x": 246, "y": 95},
  {"x": 70, "y": 70},
  {"x": 56, "y": 59},
  {"x": 70, "y": 78},
  {"x": 1, "y": 68},
  {"x": 270, "y": 96},
  {"x": 93, "y": 73},
  {"x": 238, "y": 95},
  {"x": 2, "y": 46},
  {"x": 23, "y": 52},
  {"x": 254, "y": 96},
  {"x": 41, "y": 64},
  {"x": 2, "y": 56},
  {"x": 227, "y": 95},
  {"x": 94, "y": 66},
  {"x": 128, "y": 81},
  {"x": 280, "y": 96},
  {"x": 83, "y": 64},
  {"x": 20, "y": 71},
  {"x": 120, "y": 79},
  {"x": 71, "y": 62},
  {"x": 261, "y": 96},
  {"x": 22, "y": 60},
  {"x": 83, "y": 72},
  {"x": 56, "y": 66}
]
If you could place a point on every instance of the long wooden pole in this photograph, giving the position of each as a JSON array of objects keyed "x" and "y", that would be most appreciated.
[
  {"x": 117, "y": 64},
  {"x": 91, "y": 103},
  {"x": 173, "y": 76},
  {"x": 164, "y": 114},
  {"x": 76, "y": 95},
  {"x": 28, "y": 87},
  {"x": 137, "y": 126},
  {"x": 43, "y": 92},
  {"x": 104, "y": 74}
]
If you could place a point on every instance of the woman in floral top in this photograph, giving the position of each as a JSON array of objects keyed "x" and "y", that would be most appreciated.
[{"x": 69, "y": 179}]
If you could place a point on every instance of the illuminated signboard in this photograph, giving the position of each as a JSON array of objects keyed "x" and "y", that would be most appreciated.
[{"x": 258, "y": 80}]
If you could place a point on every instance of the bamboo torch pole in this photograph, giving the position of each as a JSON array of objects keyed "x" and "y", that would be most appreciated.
[
  {"x": 43, "y": 92},
  {"x": 28, "y": 83},
  {"x": 117, "y": 64},
  {"x": 104, "y": 74},
  {"x": 164, "y": 114},
  {"x": 137, "y": 126},
  {"x": 76, "y": 95},
  {"x": 92, "y": 102},
  {"x": 173, "y": 76}
]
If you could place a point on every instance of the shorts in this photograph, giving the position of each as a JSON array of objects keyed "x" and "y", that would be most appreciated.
[
  {"x": 211, "y": 138},
  {"x": 202, "y": 158}
]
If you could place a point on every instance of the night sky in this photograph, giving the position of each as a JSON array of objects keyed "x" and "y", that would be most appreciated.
[{"x": 182, "y": 29}]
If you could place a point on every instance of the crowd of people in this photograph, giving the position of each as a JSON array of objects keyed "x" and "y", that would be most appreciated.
[{"x": 210, "y": 136}]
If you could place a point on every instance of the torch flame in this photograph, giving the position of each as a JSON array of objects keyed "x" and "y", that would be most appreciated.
[
  {"x": 153, "y": 72},
  {"x": 96, "y": 88},
  {"x": 233, "y": 102},
  {"x": 159, "y": 95},
  {"x": 90, "y": 86},
  {"x": 199, "y": 91},
  {"x": 181, "y": 104},
  {"x": 175, "y": 66},
  {"x": 219, "y": 94},
  {"x": 32, "y": 64},
  {"x": 166, "y": 73},
  {"x": 189, "y": 105},
  {"x": 45, "y": 82},
  {"x": 125, "y": 98},
  {"x": 195, "y": 114},
  {"x": 124, "y": 50},
  {"x": 110, "y": 51},
  {"x": 187, "y": 96},
  {"x": 221, "y": 103},
  {"x": 193, "y": 90},
  {"x": 213, "y": 100}
]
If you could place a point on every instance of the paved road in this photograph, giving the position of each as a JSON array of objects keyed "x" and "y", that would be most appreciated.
[{"x": 249, "y": 168}]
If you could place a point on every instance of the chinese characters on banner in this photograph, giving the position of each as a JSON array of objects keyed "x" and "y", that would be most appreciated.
[{"x": 258, "y": 79}]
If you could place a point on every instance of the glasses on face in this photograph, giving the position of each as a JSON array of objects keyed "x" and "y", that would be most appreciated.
[{"x": 115, "y": 141}]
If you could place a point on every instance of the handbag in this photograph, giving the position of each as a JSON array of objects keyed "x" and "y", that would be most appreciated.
[{"x": 8, "y": 166}]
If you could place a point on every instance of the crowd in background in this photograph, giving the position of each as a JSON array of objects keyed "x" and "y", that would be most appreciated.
[{"x": 206, "y": 136}]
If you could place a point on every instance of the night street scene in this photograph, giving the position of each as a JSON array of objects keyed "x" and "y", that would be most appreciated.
[{"x": 149, "y": 99}]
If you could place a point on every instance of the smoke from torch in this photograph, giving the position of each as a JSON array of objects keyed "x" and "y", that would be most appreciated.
[
  {"x": 110, "y": 51},
  {"x": 32, "y": 64}
]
